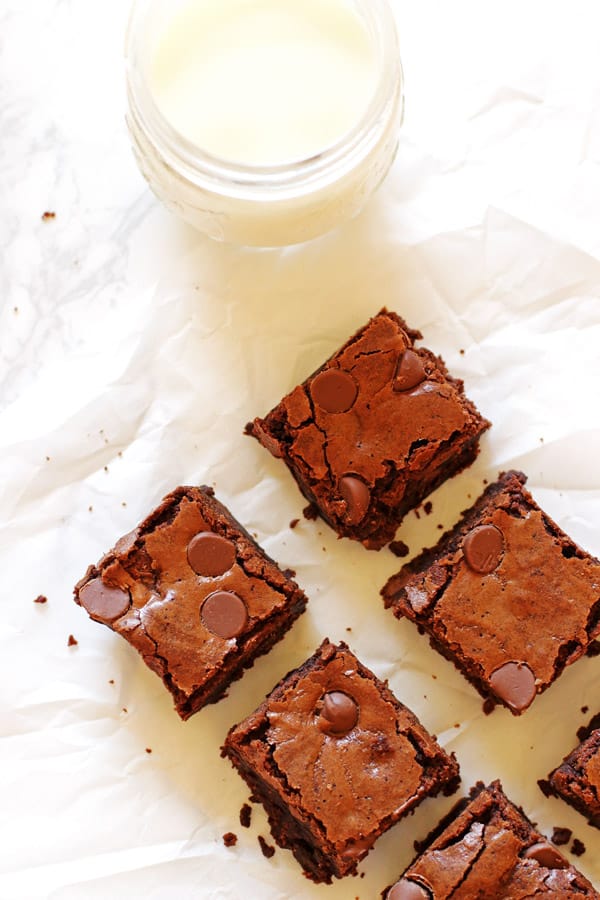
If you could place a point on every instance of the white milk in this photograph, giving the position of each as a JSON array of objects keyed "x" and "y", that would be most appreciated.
[{"x": 263, "y": 82}]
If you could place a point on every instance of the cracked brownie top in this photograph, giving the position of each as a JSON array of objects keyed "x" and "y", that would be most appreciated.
[
  {"x": 506, "y": 595},
  {"x": 374, "y": 430},
  {"x": 490, "y": 849}
]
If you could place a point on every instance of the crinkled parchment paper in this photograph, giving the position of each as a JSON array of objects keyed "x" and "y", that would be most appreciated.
[{"x": 132, "y": 353}]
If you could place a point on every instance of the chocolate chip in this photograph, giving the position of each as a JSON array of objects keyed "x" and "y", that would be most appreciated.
[
  {"x": 102, "y": 601},
  {"x": 334, "y": 391},
  {"x": 357, "y": 496},
  {"x": 483, "y": 548},
  {"x": 577, "y": 847},
  {"x": 224, "y": 614},
  {"x": 410, "y": 372},
  {"x": 546, "y": 855},
  {"x": 339, "y": 714},
  {"x": 407, "y": 890},
  {"x": 399, "y": 548},
  {"x": 210, "y": 554},
  {"x": 514, "y": 682}
]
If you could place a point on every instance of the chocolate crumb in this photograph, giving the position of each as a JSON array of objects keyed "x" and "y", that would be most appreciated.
[
  {"x": 440, "y": 527},
  {"x": 577, "y": 847},
  {"x": 545, "y": 787},
  {"x": 417, "y": 513},
  {"x": 293, "y": 523},
  {"x": 348, "y": 629},
  {"x": 41, "y": 599},
  {"x": 428, "y": 508},
  {"x": 111, "y": 680},
  {"x": 47, "y": 216},
  {"x": 461, "y": 351},
  {"x": 148, "y": 749},
  {"x": 311, "y": 512},
  {"x": 489, "y": 705},
  {"x": 585, "y": 709},
  {"x": 230, "y": 839},
  {"x": 72, "y": 642},
  {"x": 289, "y": 573},
  {"x": 245, "y": 815},
  {"x": 400, "y": 549},
  {"x": 47, "y": 459},
  {"x": 90, "y": 508},
  {"x": 15, "y": 309},
  {"x": 561, "y": 836},
  {"x": 267, "y": 850},
  {"x": 124, "y": 709}
]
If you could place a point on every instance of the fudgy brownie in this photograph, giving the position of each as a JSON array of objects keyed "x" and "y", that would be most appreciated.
[
  {"x": 374, "y": 430},
  {"x": 506, "y": 595},
  {"x": 488, "y": 848},
  {"x": 194, "y": 594},
  {"x": 336, "y": 760},
  {"x": 577, "y": 779}
]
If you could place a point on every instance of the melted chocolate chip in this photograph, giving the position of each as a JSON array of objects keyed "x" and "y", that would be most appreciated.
[
  {"x": 224, "y": 614},
  {"x": 334, "y": 391},
  {"x": 102, "y": 601},
  {"x": 545, "y": 854},
  {"x": 210, "y": 554},
  {"x": 357, "y": 496},
  {"x": 407, "y": 890},
  {"x": 514, "y": 683},
  {"x": 339, "y": 714},
  {"x": 483, "y": 548},
  {"x": 410, "y": 372}
]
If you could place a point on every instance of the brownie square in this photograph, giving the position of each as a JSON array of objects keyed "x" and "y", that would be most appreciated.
[
  {"x": 577, "y": 779},
  {"x": 373, "y": 431},
  {"x": 336, "y": 760},
  {"x": 194, "y": 594},
  {"x": 488, "y": 848},
  {"x": 505, "y": 595}
]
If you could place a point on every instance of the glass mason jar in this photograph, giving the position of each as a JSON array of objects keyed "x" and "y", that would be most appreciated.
[{"x": 265, "y": 205}]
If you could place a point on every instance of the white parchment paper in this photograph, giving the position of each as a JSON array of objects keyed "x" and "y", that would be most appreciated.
[{"x": 132, "y": 352}]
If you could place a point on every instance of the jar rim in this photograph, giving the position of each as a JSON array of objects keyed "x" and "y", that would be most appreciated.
[{"x": 201, "y": 167}]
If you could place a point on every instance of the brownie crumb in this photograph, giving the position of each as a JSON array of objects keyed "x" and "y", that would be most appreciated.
[
  {"x": 348, "y": 629},
  {"x": 585, "y": 709},
  {"x": 48, "y": 216},
  {"x": 577, "y": 847},
  {"x": 311, "y": 512},
  {"x": 124, "y": 709},
  {"x": 293, "y": 523},
  {"x": 289, "y": 573},
  {"x": 41, "y": 599},
  {"x": 230, "y": 839},
  {"x": 72, "y": 642},
  {"x": 545, "y": 787},
  {"x": 111, "y": 680},
  {"x": 249, "y": 429},
  {"x": 428, "y": 508},
  {"x": 593, "y": 649},
  {"x": 440, "y": 527},
  {"x": 267, "y": 850},
  {"x": 561, "y": 836},
  {"x": 462, "y": 351},
  {"x": 400, "y": 549},
  {"x": 245, "y": 815},
  {"x": 417, "y": 513},
  {"x": 489, "y": 705},
  {"x": 148, "y": 749}
]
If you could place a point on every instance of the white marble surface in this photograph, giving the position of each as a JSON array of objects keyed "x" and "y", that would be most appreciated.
[{"x": 132, "y": 352}]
